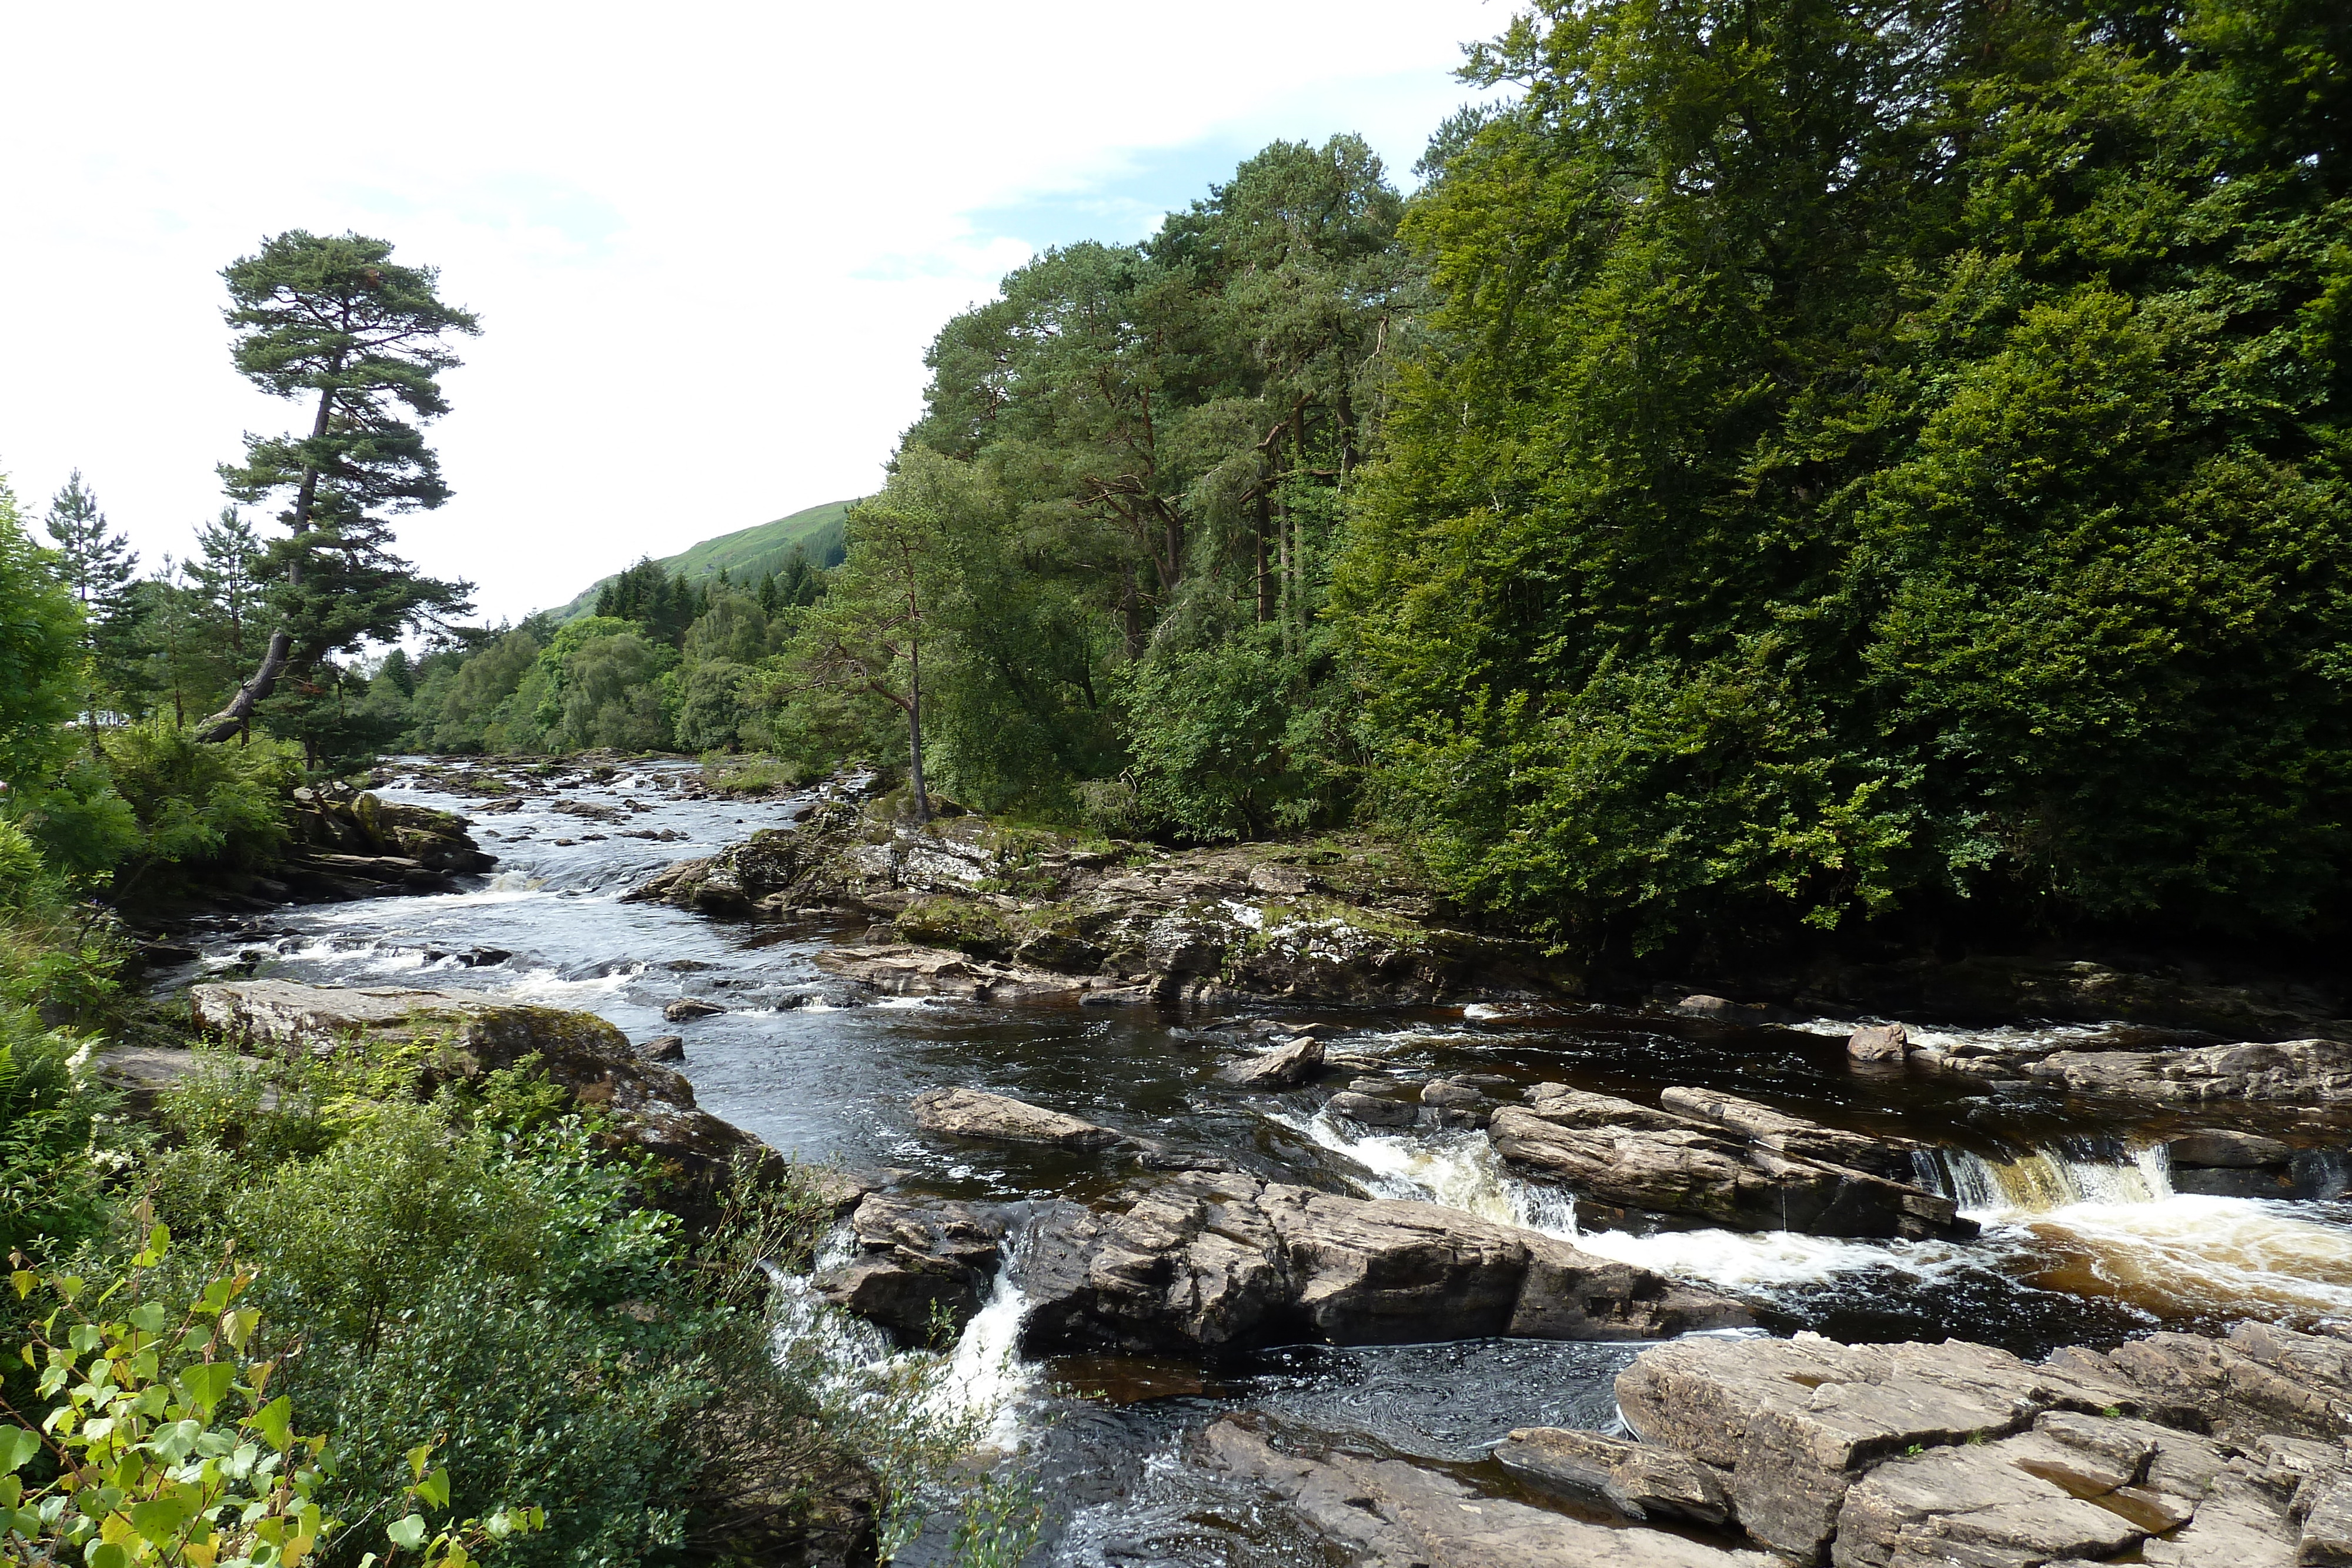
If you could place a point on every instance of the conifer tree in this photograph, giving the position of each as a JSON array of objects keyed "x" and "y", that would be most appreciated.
[
  {"x": 335, "y": 318},
  {"x": 97, "y": 567}
]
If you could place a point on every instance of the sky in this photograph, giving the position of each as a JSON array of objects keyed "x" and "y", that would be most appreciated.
[{"x": 708, "y": 243}]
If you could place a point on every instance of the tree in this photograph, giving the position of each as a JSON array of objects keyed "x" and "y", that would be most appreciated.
[
  {"x": 866, "y": 635},
  {"x": 97, "y": 569},
  {"x": 337, "y": 319},
  {"x": 224, "y": 572},
  {"x": 40, "y": 629}
]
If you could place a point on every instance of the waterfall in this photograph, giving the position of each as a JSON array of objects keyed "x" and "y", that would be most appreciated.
[{"x": 2076, "y": 1171}]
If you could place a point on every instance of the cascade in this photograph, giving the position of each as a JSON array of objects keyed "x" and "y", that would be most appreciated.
[{"x": 2076, "y": 1171}]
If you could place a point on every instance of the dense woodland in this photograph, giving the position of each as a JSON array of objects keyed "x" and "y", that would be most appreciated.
[{"x": 1793, "y": 467}]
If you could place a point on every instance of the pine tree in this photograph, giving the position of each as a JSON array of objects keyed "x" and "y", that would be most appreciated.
[
  {"x": 336, "y": 317},
  {"x": 97, "y": 567},
  {"x": 225, "y": 573}
]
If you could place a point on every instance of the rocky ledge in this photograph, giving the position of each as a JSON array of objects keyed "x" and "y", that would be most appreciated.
[
  {"x": 350, "y": 844},
  {"x": 1718, "y": 1160},
  {"x": 458, "y": 1036},
  {"x": 2174, "y": 1450},
  {"x": 959, "y": 907},
  {"x": 1204, "y": 1262}
]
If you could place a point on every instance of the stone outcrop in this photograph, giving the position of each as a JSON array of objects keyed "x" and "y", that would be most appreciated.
[
  {"x": 348, "y": 845},
  {"x": 2295, "y": 1072},
  {"x": 1386, "y": 1513},
  {"x": 1879, "y": 1042},
  {"x": 456, "y": 1036},
  {"x": 1035, "y": 915},
  {"x": 1212, "y": 1262},
  {"x": 2175, "y": 1449},
  {"x": 1286, "y": 1066},
  {"x": 1638, "y": 1481},
  {"x": 1732, "y": 1163},
  {"x": 923, "y": 1265},
  {"x": 998, "y": 1118}
]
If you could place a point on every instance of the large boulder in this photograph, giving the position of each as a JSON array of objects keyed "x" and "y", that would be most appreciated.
[
  {"x": 1212, "y": 1261},
  {"x": 349, "y": 844},
  {"x": 1638, "y": 1480},
  {"x": 1000, "y": 1118},
  {"x": 1736, "y": 1164},
  {"x": 448, "y": 1036},
  {"x": 1386, "y": 1513},
  {"x": 923, "y": 1265}
]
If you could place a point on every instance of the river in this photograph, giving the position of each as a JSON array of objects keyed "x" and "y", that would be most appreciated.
[{"x": 2085, "y": 1240}]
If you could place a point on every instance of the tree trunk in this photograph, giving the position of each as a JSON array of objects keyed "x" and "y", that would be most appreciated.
[
  {"x": 1130, "y": 617},
  {"x": 232, "y": 718},
  {"x": 915, "y": 733},
  {"x": 236, "y": 719},
  {"x": 1264, "y": 574}
]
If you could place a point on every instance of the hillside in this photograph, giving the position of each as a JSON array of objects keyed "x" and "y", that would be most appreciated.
[{"x": 747, "y": 554}]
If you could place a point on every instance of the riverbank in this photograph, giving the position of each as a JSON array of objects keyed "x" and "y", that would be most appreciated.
[{"x": 2087, "y": 1231}]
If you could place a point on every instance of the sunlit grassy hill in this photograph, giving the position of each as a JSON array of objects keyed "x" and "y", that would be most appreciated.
[{"x": 747, "y": 554}]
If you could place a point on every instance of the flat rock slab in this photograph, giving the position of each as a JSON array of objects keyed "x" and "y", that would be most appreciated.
[
  {"x": 1385, "y": 1513},
  {"x": 900, "y": 970},
  {"x": 1797, "y": 1422},
  {"x": 1714, "y": 1157},
  {"x": 1213, "y": 1260},
  {"x": 1638, "y": 1481},
  {"x": 1000, "y": 1118},
  {"x": 2295, "y": 1072}
]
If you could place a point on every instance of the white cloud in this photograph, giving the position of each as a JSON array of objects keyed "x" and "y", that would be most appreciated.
[{"x": 708, "y": 243}]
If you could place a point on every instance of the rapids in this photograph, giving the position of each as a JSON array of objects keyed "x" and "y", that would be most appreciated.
[{"x": 2085, "y": 1239}]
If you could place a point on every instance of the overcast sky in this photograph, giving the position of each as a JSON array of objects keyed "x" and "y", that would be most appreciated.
[{"x": 708, "y": 244}]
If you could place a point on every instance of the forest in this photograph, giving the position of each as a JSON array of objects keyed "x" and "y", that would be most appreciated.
[{"x": 1793, "y": 469}]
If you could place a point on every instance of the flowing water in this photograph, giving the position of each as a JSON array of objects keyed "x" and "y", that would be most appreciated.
[{"x": 2086, "y": 1239}]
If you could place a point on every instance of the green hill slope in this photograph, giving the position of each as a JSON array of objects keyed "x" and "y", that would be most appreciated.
[{"x": 747, "y": 554}]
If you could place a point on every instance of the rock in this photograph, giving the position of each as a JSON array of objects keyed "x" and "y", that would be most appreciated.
[
  {"x": 2328, "y": 1525},
  {"x": 2218, "y": 1148},
  {"x": 1374, "y": 1112},
  {"x": 1385, "y": 1513},
  {"x": 1209, "y": 1261},
  {"x": 1285, "y": 1067},
  {"x": 662, "y": 1048},
  {"x": 2072, "y": 1486},
  {"x": 1879, "y": 1042},
  {"x": 1795, "y": 1423},
  {"x": 462, "y": 1035},
  {"x": 902, "y": 971},
  {"x": 1190, "y": 925},
  {"x": 688, "y": 1008},
  {"x": 1721, "y": 1009},
  {"x": 998, "y": 1118},
  {"x": 1635, "y": 1479},
  {"x": 923, "y": 1265},
  {"x": 2296, "y": 1071},
  {"x": 1783, "y": 1133},
  {"x": 2260, "y": 1380},
  {"x": 1626, "y": 1156}
]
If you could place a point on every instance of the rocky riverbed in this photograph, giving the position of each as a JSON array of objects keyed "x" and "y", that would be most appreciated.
[{"x": 1282, "y": 1212}]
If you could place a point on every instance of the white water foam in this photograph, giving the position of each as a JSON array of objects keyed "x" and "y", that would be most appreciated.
[{"x": 2113, "y": 1226}]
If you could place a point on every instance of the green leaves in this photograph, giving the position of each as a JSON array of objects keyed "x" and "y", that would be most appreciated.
[
  {"x": 18, "y": 1447},
  {"x": 206, "y": 1384}
]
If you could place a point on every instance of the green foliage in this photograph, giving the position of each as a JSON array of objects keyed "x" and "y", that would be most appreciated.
[
  {"x": 198, "y": 810},
  {"x": 40, "y": 665},
  {"x": 1862, "y": 467},
  {"x": 50, "y": 1193},
  {"x": 167, "y": 1448}
]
